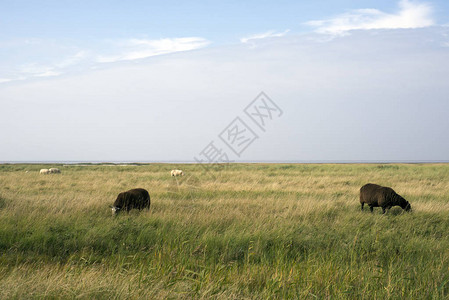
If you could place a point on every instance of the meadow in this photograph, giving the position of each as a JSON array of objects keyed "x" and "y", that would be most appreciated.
[{"x": 243, "y": 231}]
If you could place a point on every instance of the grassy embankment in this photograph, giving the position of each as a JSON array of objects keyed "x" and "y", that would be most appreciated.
[{"x": 255, "y": 231}]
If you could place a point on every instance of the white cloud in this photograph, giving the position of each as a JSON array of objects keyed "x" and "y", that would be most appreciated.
[
  {"x": 73, "y": 59},
  {"x": 141, "y": 48},
  {"x": 264, "y": 35},
  {"x": 37, "y": 70},
  {"x": 34, "y": 68},
  {"x": 410, "y": 15},
  {"x": 57, "y": 59},
  {"x": 48, "y": 74}
]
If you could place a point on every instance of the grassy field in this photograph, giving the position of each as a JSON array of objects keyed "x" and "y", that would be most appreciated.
[{"x": 250, "y": 231}]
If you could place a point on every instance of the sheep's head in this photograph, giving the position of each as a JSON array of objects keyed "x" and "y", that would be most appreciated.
[
  {"x": 408, "y": 207},
  {"x": 405, "y": 205},
  {"x": 115, "y": 210}
]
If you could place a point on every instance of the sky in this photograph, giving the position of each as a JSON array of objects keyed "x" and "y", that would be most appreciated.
[{"x": 182, "y": 81}]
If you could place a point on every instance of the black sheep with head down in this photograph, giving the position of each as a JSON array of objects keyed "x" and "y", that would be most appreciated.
[
  {"x": 380, "y": 196},
  {"x": 135, "y": 198}
]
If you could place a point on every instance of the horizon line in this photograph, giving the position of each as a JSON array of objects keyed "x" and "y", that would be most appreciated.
[{"x": 130, "y": 162}]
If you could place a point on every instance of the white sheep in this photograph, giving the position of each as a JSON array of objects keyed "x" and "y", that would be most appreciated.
[
  {"x": 177, "y": 173},
  {"x": 44, "y": 171}
]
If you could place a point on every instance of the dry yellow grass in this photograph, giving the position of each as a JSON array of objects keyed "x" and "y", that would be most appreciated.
[{"x": 252, "y": 231}]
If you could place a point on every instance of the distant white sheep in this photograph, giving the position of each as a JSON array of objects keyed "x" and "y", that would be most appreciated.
[
  {"x": 49, "y": 171},
  {"x": 177, "y": 173}
]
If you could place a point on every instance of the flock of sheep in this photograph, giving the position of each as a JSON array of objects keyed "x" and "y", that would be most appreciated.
[
  {"x": 49, "y": 171},
  {"x": 371, "y": 194}
]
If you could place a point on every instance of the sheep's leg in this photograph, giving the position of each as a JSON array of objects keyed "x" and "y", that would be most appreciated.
[
  {"x": 362, "y": 205},
  {"x": 371, "y": 209},
  {"x": 384, "y": 210}
]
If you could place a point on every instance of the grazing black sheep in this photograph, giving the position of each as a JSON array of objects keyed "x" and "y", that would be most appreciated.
[
  {"x": 380, "y": 196},
  {"x": 135, "y": 198}
]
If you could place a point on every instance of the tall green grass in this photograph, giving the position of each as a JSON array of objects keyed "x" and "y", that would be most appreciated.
[{"x": 250, "y": 231}]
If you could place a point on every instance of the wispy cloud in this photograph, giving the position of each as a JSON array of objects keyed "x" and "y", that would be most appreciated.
[
  {"x": 73, "y": 59},
  {"x": 59, "y": 58},
  {"x": 264, "y": 35},
  {"x": 410, "y": 15},
  {"x": 49, "y": 73},
  {"x": 141, "y": 48},
  {"x": 38, "y": 70}
]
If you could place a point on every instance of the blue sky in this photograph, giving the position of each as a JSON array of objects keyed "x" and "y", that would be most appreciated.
[
  {"x": 223, "y": 21},
  {"x": 220, "y": 21},
  {"x": 356, "y": 80},
  {"x": 44, "y": 38}
]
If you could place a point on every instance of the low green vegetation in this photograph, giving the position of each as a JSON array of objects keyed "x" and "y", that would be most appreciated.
[{"x": 243, "y": 231}]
